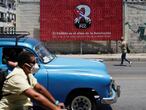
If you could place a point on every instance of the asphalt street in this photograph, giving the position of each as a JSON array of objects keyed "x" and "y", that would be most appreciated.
[{"x": 132, "y": 80}]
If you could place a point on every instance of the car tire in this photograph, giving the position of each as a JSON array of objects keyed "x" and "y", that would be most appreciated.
[{"x": 82, "y": 102}]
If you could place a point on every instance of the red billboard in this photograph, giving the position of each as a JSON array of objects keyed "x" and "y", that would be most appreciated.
[{"x": 80, "y": 19}]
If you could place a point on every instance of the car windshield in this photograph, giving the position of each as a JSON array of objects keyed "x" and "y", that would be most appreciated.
[{"x": 44, "y": 55}]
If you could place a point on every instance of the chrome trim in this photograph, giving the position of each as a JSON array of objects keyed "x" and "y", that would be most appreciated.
[{"x": 113, "y": 98}]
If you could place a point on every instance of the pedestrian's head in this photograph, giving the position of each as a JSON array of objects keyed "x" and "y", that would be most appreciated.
[
  {"x": 27, "y": 61},
  {"x": 122, "y": 39}
]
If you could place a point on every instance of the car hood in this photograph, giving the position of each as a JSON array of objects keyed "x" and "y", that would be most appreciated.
[
  {"x": 75, "y": 66},
  {"x": 67, "y": 74}
]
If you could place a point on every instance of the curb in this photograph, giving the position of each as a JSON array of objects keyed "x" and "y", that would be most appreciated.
[{"x": 107, "y": 57}]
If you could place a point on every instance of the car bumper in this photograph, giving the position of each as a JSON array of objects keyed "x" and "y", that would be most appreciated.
[{"x": 113, "y": 98}]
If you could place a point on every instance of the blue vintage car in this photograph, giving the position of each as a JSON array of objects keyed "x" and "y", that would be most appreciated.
[{"x": 81, "y": 84}]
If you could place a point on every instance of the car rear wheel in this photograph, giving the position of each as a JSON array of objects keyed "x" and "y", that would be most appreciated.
[{"x": 82, "y": 102}]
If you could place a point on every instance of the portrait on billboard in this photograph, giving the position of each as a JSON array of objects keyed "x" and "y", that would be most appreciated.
[{"x": 82, "y": 19}]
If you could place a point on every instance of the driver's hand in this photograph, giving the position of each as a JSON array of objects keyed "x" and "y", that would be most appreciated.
[{"x": 61, "y": 105}]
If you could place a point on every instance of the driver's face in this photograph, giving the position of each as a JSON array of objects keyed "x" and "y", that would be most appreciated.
[{"x": 28, "y": 66}]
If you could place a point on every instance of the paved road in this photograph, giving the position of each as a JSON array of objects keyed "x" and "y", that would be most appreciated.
[{"x": 133, "y": 85}]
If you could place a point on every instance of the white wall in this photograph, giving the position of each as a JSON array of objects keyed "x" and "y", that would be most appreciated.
[{"x": 28, "y": 16}]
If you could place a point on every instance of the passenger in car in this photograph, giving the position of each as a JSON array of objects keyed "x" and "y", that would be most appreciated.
[{"x": 10, "y": 56}]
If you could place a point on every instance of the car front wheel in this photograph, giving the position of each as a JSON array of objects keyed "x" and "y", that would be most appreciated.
[{"x": 82, "y": 102}]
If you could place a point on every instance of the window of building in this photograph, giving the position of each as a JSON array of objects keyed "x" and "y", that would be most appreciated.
[
  {"x": 5, "y": 30},
  {"x": 1, "y": 1},
  {"x": 1, "y": 29},
  {"x": 1, "y": 17},
  {"x": 9, "y": 5}
]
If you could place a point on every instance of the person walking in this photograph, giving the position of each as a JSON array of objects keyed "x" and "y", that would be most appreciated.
[
  {"x": 124, "y": 47},
  {"x": 21, "y": 86}
]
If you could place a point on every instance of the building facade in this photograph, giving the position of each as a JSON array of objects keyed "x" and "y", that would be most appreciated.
[
  {"x": 7, "y": 16},
  {"x": 134, "y": 19},
  {"x": 134, "y": 15},
  {"x": 28, "y": 16}
]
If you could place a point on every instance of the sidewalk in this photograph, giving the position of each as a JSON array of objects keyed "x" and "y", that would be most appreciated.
[{"x": 109, "y": 57}]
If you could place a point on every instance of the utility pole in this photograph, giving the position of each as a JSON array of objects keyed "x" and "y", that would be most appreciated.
[{"x": 125, "y": 30}]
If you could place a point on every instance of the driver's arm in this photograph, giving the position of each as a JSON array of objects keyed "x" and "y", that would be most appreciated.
[{"x": 31, "y": 93}]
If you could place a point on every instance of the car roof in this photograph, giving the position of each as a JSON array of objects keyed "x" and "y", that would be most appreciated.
[{"x": 25, "y": 41}]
